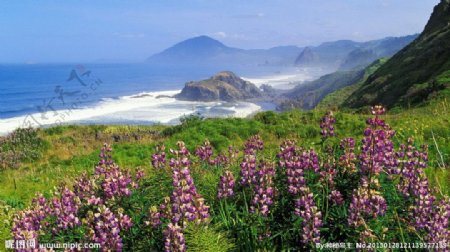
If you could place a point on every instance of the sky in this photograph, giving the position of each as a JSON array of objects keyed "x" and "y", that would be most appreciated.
[{"x": 53, "y": 31}]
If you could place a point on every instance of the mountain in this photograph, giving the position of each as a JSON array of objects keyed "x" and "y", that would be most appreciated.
[
  {"x": 328, "y": 55},
  {"x": 225, "y": 86},
  {"x": 307, "y": 57},
  {"x": 193, "y": 50},
  {"x": 204, "y": 50},
  {"x": 376, "y": 49},
  {"x": 349, "y": 55},
  {"x": 416, "y": 73}
]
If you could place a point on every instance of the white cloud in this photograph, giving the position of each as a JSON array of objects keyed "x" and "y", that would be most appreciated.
[{"x": 220, "y": 34}]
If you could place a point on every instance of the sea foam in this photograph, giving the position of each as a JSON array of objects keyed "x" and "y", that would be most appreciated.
[{"x": 142, "y": 108}]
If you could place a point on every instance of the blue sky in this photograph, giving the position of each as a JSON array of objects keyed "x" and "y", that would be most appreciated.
[{"x": 83, "y": 31}]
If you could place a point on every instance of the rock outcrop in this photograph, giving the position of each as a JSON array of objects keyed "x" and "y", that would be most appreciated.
[{"x": 224, "y": 86}]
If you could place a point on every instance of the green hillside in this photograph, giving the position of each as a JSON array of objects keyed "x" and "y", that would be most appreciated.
[
  {"x": 335, "y": 99},
  {"x": 416, "y": 73}
]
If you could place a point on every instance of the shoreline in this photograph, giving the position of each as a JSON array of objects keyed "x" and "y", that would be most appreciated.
[{"x": 146, "y": 108}]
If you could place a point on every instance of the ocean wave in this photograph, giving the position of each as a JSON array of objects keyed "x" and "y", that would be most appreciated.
[{"x": 141, "y": 108}]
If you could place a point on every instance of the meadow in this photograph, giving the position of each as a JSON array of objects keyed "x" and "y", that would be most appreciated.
[{"x": 276, "y": 181}]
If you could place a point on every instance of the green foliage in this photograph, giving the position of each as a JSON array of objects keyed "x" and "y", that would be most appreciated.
[
  {"x": 6, "y": 218},
  {"x": 22, "y": 145},
  {"x": 232, "y": 226},
  {"x": 201, "y": 238}
]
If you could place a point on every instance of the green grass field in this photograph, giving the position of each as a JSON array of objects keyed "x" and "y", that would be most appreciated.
[{"x": 71, "y": 150}]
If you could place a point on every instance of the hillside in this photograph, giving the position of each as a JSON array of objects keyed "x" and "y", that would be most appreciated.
[
  {"x": 225, "y": 86},
  {"x": 334, "y": 100},
  {"x": 308, "y": 95},
  {"x": 414, "y": 74}
]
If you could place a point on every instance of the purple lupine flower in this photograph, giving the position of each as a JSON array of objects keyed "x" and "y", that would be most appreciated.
[
  {"x": 364, "y": 204},
  {"x": 105, "y": 228},
  {"x": 263, "y": 189},
  {"x": 28, "y": 223},
  {"x": 248, "y": 164},
  {"x": 232, "y": 152},
  {"x": 327, "y": 125},
  {"x": 185, "y": 203},
  {"x": 253, "y": 144},
  {"x": 377, "y": 155},
  {"x": 226, "y": 185},
  {"x": 159, "y": 158},
  {"x": 65, "y": 207},
  {"x": 377, "y": 151},
  {"x": 140, "y": 173},
  {"x": 248, "y": 169},
  {"x": 174, "y": 239},
  {"x": 205, "y": 151},
  {"x": 116, "y": 183},
  {"x": 428, "y": 214},
  {"x": 328, "y": 172},
  {"x": 155, "y": 217},
  {"x": 413, "y": 181},
  {"x": 296, "y": 162},
  {"x": 336, "y": 197},
  {"x": 312, "y": 217},
  {"x": 221, "y": 159},
  {"x": 85, "y": 188},
  {"x": 348, "y": 159},
  {"x": 105, "y": 159},
  {"x": 438, "y": 227}
]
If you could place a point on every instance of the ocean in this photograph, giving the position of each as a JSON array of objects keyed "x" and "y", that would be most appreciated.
[{"x": 42, "y": 95}]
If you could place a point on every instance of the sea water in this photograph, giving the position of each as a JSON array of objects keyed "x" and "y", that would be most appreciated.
[{"x": 43, "y": 95}]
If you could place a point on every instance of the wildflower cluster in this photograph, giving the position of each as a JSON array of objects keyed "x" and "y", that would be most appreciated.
[
  {"x": 226, "y": 185},
  {"x": 377, "y": 155},
  {"x": 205, "y": 151},
  {"x": 248, "y": 164},
  {"x": 174, "y": 238},
  {"x": 428, "y": 214},
  {"x": 159, "y": 158},
  {"x": 327, "y": 125},
  {"x": 104, "y": 227},
  {"x": 88, "y": 205},
  {"x": 263, "y": 189},
  {"x": 348, "y": 159},
  {"x": 296, "y": 161},
  {"x": 312, "y": 217},
  {"x": 184, "y": 205}
]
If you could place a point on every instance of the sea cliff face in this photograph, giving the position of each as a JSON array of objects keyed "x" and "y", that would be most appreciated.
[{"x": 224, "y": 86}]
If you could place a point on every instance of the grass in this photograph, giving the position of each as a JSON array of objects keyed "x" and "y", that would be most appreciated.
[{"x": 72, "y": 150}]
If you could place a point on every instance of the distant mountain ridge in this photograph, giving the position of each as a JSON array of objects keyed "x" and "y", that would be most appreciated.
[
  {"x": 329, "y": 56},
  {"x": 416, "y": 73},
  {"x": 348, "y": 54},
  {"x": 206, "y": 50}
]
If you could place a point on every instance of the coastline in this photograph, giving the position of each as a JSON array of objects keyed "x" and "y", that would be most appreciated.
[{"x": 148, "y": 108}]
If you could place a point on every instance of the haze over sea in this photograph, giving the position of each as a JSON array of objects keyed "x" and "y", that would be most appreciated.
[{"x": 43, "y": 95}]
